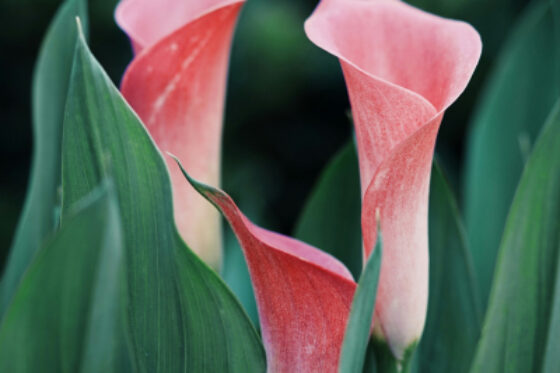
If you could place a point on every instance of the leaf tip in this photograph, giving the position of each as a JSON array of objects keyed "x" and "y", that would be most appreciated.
[
  {"x": 201, "y": 188},
  {"x": 80, "y": 29}
]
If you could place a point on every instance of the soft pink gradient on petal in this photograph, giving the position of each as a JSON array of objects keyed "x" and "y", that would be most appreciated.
[
  {"x": 403, "y": 67},
  {"x": 303, "y": 294},
  {"x": 177, "y": 84},
  {"x": 146, "y": 22}
]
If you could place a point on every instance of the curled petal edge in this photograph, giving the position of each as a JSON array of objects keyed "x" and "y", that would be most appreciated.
[
  {"x": 303, "y": 294},
  {"x": 403, "y": 68}
]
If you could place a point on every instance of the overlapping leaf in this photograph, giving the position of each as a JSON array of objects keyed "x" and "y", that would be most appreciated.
[
  {"x": 517, "y": 100},
  {"x": 180, "y": 315},
  {"x": 66, "y": 315},
  {"x": 520, "y": 332},
  {"x": 50, "y": 84}
]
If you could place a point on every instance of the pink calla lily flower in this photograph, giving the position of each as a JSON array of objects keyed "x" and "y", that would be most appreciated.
[
  {"x": 403, "y": 68},
  {"x": 303, "y": 294},
  {"x": 176, "y": 83}
]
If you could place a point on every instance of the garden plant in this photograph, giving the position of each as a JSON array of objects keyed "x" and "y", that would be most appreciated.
[{"x": 118, "y": 260}]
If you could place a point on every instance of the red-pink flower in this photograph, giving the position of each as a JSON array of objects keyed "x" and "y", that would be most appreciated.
[
  {"x": 176, "y": 83},
  {"x": 403, "y": 68},
  {"x": 303, "y": 294}
]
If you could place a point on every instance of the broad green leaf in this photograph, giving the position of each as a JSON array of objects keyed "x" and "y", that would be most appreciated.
[
  {"x": 454, "y": 317},
  {"x": 520, "y": 315},
  {"x": 50, "y": 84},
  {"x": 182, "y": 317},
  {"x": 331, "y": 217},
  {"x": 66, "y": 314},
  {"x": 356, "y": 337},
  {"x": 518, "y": 98}
]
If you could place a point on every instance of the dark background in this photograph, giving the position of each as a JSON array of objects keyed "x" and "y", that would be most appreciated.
[{"x": 287, "y": 108}]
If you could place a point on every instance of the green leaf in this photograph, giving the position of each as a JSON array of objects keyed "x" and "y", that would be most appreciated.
[
  {"x": 520, "y": 314},
  {"x": 516, "y": 102},
  {"x": 454, "y": 317},
  {"x": 552, "y": 357},
  {"x": 181, "y": 316},
  {"x": 66, "y": 314},
  {"x": 354, "y": 346},
  {"x": 331, "y": 217},
  {"x": 50, "y": 84}
]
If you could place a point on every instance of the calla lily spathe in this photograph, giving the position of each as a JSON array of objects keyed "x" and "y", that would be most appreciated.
[
  {"x": 403, "y": 68},
  {"x": 176, "y": 84}
]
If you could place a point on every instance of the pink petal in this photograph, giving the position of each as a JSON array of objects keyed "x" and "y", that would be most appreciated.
[
  {"x": 303, "y": 294},
  {"x": 146, "y": 22},
  {"x": 403, "y": 67},
  {"x": 177, "y": 87}
]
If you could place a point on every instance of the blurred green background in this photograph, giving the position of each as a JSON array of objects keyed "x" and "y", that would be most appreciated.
[{"x": 287, "y": 108}]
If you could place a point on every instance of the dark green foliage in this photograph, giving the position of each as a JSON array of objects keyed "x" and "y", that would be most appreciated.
[
  {"x": 50, "y": 84},
  {"x": 521, "y": 326},
  {"x": 66, "y": 315},
  {"x": 517, "y": 99},
  {"x": 331, "y": 217}
]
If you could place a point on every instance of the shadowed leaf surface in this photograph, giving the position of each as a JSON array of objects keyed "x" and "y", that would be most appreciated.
[
  {"x": 331, "y": 216},
  {"x": 517, "y": 99},
  {"x": 66, "y": 314},
  {"x": 50, "y": 85},
  {"x": 518, "y": 332}
]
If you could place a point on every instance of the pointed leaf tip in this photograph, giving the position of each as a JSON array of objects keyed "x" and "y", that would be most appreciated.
[{"x": 79, "y": 26}]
